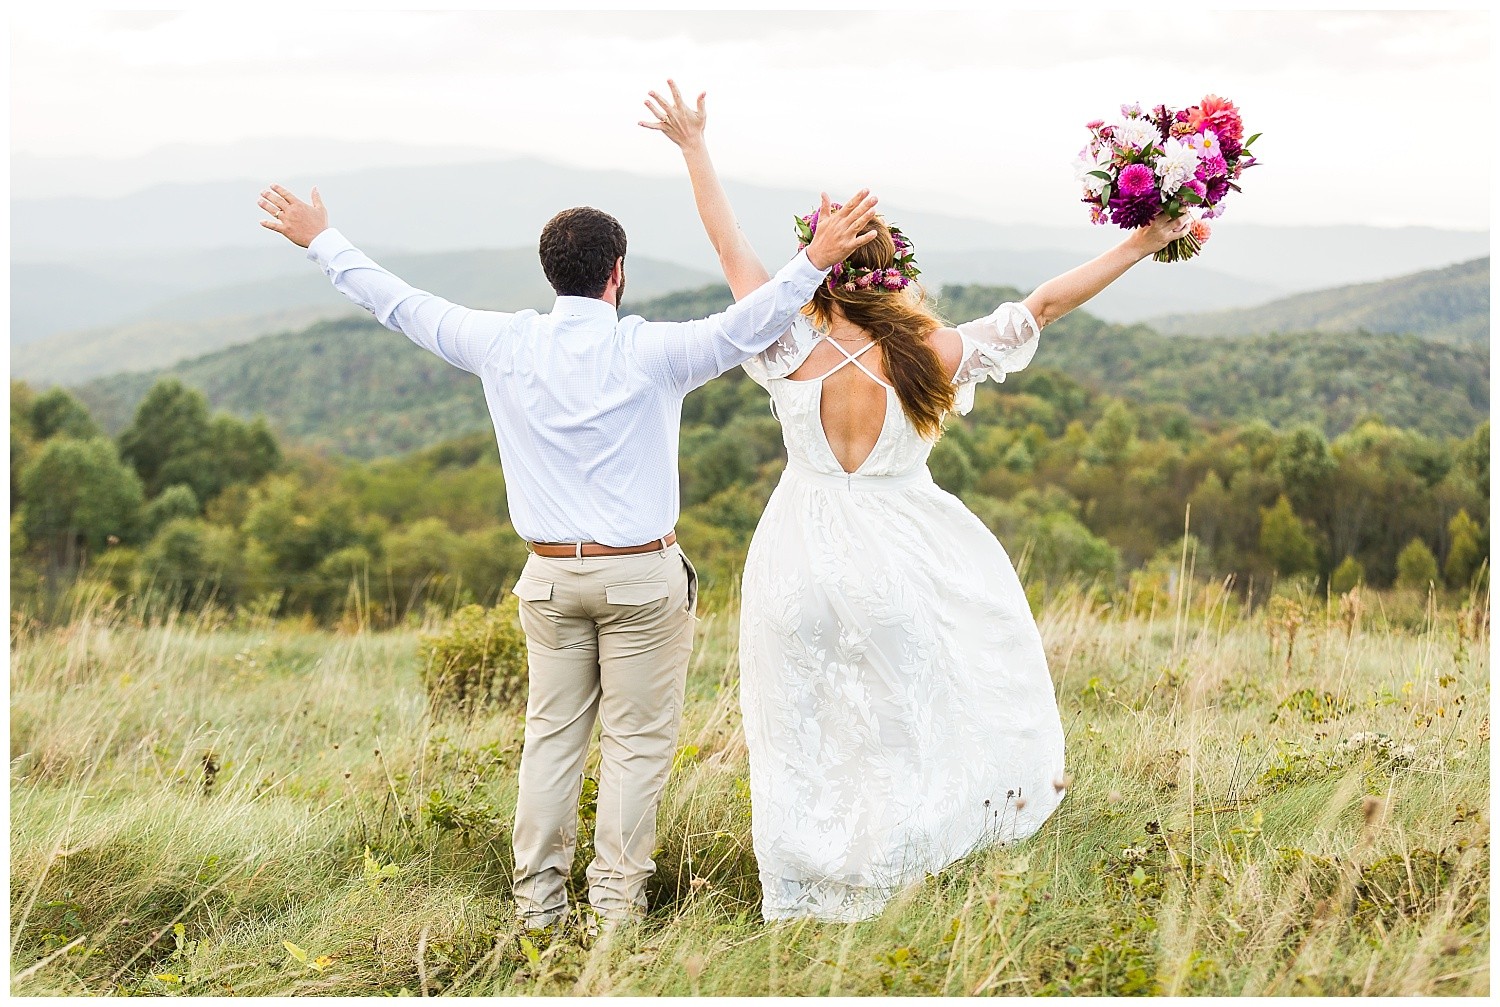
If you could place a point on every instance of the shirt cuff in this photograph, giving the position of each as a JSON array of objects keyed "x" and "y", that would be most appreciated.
[
  {"x": 801, "y": 268},
  {"x": 326, "y": 245}
]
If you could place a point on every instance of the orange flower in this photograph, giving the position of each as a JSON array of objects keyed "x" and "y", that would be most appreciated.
[{"x": 1219, "y": 115}]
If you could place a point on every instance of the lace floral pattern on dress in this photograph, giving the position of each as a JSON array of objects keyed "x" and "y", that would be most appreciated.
[
  {"x": 897, "y": 703},
  {"x": 1003, "y": 341}
]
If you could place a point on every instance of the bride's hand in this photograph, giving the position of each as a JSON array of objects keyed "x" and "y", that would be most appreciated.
[
  {"x": 1161, "y": 232},
  {"x": 682, "y": 124}
]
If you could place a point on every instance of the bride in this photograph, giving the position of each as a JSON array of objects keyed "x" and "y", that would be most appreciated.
[{"x": 897, "y": 705}]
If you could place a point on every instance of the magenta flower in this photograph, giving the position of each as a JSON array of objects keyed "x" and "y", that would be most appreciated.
[
  {"x": 1136, "y": 180},
  {"x": 1134, "y": 211},
  {"x": 864, "y": 280},
  {"x": 893, "y": 280}
]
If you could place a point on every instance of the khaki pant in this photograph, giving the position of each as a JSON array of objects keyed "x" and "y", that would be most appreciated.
[{"x": 606, "y": 637}]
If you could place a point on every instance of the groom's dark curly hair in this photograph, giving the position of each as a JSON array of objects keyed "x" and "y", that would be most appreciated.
[{"x": 579, "y": 248}]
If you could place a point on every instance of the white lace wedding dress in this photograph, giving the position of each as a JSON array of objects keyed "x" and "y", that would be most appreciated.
[{"x": 897, "y": 704}]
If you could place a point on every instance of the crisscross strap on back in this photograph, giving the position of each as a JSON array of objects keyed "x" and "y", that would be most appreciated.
[{"x": 851, "y": 358}]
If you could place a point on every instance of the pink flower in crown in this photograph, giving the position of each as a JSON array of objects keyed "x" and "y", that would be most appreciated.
[
  {"x": 864, "y": 279},
  {"x": 850, "y": 286},
  {"x": 893, "y": 280}
]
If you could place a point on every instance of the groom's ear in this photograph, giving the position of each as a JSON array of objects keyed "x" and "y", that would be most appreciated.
[{"x": 617, "y": 274}]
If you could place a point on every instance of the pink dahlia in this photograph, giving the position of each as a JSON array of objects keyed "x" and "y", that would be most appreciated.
[
  {"x": 1212, "y": 166},
  {"x": 1136, "y": 180}
]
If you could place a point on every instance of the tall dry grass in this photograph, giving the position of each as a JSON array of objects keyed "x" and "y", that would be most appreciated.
[{"x": 1290, "y": 799}]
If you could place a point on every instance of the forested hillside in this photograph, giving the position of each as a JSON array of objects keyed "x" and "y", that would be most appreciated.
[
  {"x": 352, "y": 387},
  {"x": 1450, "y": 304}
]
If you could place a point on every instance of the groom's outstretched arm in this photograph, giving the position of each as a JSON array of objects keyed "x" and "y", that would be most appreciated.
[{"x": 461, "y": 336}]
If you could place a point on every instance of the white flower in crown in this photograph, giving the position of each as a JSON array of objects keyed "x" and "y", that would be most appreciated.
[
  {"x": 1176, "y": 165},
  {"x": 1137, "y": 134}
]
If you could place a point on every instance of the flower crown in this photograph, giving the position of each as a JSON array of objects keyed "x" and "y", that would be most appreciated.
[{"x": 853, "y": 278}]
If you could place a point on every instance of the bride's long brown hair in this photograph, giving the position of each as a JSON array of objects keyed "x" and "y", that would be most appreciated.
[{"x": 899, "y": 321}]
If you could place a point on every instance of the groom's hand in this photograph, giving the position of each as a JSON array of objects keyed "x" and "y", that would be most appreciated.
[
  {"x": 300, "y": 222},
  {"x": 841, "y": 231}
]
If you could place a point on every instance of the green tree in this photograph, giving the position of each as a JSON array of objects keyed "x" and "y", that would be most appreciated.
[
  {"x": 191, "y": 562},
  {"x": 1284, "y": 539},
  {"x": 422, "y": 560},
  {"x": 174, "y": 502},
  {"x": 951, "y": 467},
  {"x": 1349, "y": 575},
  {"x": 78, "y": 494},
  {"x": 1303, "y": 464},
  {"x": 1416, "y": 566},
  {"x": 1464, "y": 552},
  {"x": 170, "y": 434},
  {"x": 1474, "y": 457},
  {"x": 1111, "y": 438},
  {"x": 55, "y": 413}
]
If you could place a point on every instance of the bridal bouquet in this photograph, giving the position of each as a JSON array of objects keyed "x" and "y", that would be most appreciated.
[{"x": 1146, "y": 163}]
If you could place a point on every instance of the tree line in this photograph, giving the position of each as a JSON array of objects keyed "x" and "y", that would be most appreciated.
[{"x": 186, "y": 508}]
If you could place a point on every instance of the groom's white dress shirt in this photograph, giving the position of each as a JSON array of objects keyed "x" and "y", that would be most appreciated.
[{"x": 586, "y": 405}]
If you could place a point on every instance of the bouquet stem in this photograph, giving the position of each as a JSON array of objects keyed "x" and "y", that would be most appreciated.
[{"x": 1183, "y": 248}]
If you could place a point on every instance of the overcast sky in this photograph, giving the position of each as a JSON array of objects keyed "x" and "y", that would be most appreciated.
[{"x": 1369, "y": 117}]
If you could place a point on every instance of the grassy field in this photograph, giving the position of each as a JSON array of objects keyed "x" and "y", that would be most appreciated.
[{"x": 1289, "y": 800}]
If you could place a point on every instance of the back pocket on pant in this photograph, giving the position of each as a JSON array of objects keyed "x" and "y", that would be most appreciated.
[{"x": 640, "y": 593}]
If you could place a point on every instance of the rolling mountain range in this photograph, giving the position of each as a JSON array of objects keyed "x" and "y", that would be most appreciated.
[
  {"x": 103, "y": 261},
  {"x": 1451, "y": 304},
  {"x": 196, "y": 322}
]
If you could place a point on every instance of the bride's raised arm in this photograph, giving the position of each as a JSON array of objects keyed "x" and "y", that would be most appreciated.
[
  {"x": 1062, "y": 294},
  {"x": 1005, "y": 340},
  {"x": 684, "y": 125}
]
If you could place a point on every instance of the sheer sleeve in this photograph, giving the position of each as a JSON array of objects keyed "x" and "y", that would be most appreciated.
[
  {"x": 1003, "y": 341},
  {"x": 785, "y": 355}
]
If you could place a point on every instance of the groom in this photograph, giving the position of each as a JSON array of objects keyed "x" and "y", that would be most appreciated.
[{"x": 586, "y": 407}]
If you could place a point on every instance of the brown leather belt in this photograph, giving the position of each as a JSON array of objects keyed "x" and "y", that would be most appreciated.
[{"x": 578, "y": 550}]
